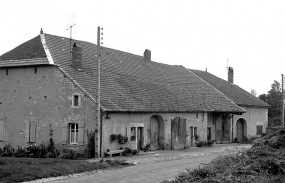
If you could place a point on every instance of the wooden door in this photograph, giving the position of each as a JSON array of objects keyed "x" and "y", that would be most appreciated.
[
  {"x": 154, "y": 133},
  {"x": 239, "y": 130},
  {"x": 191, "y": 136},
  {"x": 178, "y": 133},
  {"x": 139, "y": 138},
  {"x": 209, "y": 133}
]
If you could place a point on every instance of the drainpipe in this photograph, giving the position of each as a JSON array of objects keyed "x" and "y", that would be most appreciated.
[{"x": 232, "y": 128}]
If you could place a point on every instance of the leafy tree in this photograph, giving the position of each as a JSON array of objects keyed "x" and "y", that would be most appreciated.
[
  {"x": 274, "y": 99},
  {"x": 253, "y": 92}
]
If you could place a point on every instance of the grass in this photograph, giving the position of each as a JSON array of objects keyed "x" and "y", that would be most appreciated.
[
  {"x": 27, "y": 169},
  {"x": 264, "y": 162}
]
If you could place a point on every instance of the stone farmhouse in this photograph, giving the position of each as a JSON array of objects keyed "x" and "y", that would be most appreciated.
[
  {"x": 46, "y": 84},
  {"x": 250, "y": 124}
]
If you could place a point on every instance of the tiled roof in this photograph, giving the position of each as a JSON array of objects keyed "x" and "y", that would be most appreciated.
[
  {"x": 232, "y": 91},
  {"x": 28, "y": 50},
  {"x": 24, "y": 62},
  {"x": 129, "y": 83}
]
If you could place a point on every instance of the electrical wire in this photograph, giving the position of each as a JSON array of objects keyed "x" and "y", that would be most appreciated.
[{"x": 30, "y": 18}]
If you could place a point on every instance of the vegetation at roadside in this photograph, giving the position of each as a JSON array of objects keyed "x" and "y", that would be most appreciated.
[
  {"x": 27, "y": 169},
  {"x": 263, "y": 162}
]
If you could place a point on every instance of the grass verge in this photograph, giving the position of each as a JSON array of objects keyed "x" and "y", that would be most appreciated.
[
  {"x": 264, "y": 162},
  {"x": 27, "y": 169}
]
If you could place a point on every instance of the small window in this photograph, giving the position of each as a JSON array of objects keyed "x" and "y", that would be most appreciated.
[
  {"x": 7, "y": 72},
  {"x": 76, "y": 100},
  {"x": 73, "y": 133},
  {"x": 36, "y": 70},
  {"x": 197, "y": 115},
  {"x": 258, "y": 129}
]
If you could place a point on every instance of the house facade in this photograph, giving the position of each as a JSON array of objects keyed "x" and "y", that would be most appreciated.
[
  {"x": 47, "y": 90},
  {"x": 250, "y": 124}
]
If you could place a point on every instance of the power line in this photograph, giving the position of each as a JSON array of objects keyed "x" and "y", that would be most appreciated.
[
  {"x": 31, "y": 18},
  {"x": 37, "y": 14},
  {"x": 45, "y": 10}
]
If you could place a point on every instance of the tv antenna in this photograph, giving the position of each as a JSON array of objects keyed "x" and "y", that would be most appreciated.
[{"x": 70, "y": 30}]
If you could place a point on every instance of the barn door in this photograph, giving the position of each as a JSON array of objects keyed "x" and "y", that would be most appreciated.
[
  {"x": 178, "y": 133},
  {"x": 240, "y": 130},
  {"x": 154, "y": 133}
]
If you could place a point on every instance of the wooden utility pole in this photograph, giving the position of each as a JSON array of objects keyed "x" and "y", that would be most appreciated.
[
  {"x": 98, "y": 115},
  {"x": 282, "y": 118}
]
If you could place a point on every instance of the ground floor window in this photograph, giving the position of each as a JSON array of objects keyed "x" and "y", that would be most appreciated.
[
  {"x": 73, "y": 133},
  {"x": 258, "y": 129}
]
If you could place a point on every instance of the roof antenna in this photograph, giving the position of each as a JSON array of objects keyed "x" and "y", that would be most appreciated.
[{"x": 70, "y": 39}]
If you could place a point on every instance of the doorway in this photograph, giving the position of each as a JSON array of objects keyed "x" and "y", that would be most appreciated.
[
  {"x": 240, "y": 130},
  {"x": 191, "y": 136},
  {"x": 140, "y": 138}
]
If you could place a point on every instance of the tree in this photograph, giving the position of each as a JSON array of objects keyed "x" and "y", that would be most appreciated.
[
  {"x": 274, "y": 99},
  {"x": 253, "y": 92}
]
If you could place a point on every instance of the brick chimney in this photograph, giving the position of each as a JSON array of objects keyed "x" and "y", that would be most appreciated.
[
  {"x": 147, "y": 55},
  {"x": 230, "y": 75},
  {"x": 76, "y": 56}
]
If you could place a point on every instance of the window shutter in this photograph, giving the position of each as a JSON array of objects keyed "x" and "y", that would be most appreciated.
[
  {"x": 27, "y": 130},
  {"x": 81, "y": 134},
  {"x": 64, "y": 133},
  {"x": 2, "y": 130},
  {"x": 33, "y": 128}
]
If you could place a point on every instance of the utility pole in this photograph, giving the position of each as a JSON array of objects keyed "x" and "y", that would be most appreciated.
[
  {"x": 98, "y": 125},
  {"x": 282, "y": 118}
]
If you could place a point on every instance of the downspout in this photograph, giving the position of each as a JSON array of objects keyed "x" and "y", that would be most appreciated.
[{"x": 232, "y": 128}]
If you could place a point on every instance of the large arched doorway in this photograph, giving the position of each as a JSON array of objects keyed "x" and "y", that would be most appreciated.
[
  {"x": 178, "y": 133},
  {"x": 241, "y": 129},
  {"x": 156, "y": 132}
]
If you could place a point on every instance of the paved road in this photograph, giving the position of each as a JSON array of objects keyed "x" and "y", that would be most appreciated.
[
  {"x": 157, "y": 169},
  {"x": 152, "y": 168}
]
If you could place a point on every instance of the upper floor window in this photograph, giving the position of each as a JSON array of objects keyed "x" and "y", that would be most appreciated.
[
  {"x": 7, "y": 72},
  {"x": 76, "y": 100},
  {"x": 197, "y": 115}
]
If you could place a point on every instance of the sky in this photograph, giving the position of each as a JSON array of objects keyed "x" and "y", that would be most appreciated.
[{"x": 247, "y": 35}]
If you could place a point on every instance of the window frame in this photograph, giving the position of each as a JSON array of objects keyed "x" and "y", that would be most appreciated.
[
  {"x": 73, "y": 128},
  {"x": 74, "y": 95}
]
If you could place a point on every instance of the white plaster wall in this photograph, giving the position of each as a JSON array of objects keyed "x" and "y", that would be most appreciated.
[
  {"x": 118, "y": 123},
  {"x": 253, "y": 117}
]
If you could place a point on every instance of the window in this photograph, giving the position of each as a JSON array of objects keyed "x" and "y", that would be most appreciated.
[
  {"x": 32, "y": 130},
  {"x": 133, "y": 133},
  {"x": 7, "y": 72},
  {"x": 36, "y": 70},
  {"x": 2, "y": 130},
  {"x": 258, "y": 129},
  {"x": 197, "y": 114},
  {"x": 76, "y": 100},
  {"x": 73, "y": 133}
]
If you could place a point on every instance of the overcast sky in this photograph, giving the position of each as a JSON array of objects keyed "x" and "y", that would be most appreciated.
[{"x": 196, "y": 34}]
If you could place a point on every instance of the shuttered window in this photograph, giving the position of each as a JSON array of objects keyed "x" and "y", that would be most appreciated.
[
  {"x": 259, "y": 130},
  {"x": 73, "y": 133}
]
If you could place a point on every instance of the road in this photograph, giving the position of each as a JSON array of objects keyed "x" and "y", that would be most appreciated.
[{"x": 151, "y": 169}]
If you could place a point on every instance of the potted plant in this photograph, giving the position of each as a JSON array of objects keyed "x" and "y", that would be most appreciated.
[
  {"x": 113, "y": 137},
  {"x": 122, "y": 139}
]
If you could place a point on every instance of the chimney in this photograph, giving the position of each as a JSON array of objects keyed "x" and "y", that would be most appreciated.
[
  {"x": 231, "y": 75},
  {"x": 147, "y": 55},
  {"x": 76, "y": 56}
]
